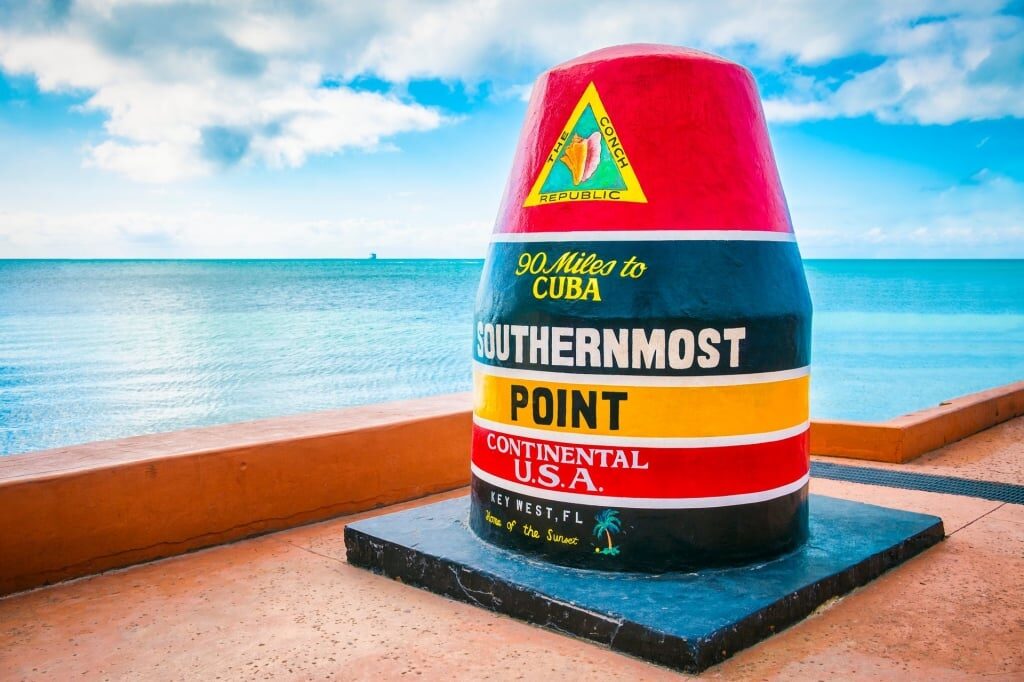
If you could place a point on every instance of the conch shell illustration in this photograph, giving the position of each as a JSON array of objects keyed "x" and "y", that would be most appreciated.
[{"x": 582, "y": 156}]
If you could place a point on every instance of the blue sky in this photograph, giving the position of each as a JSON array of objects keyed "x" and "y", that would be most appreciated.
[{"x": 319, "y": 129}]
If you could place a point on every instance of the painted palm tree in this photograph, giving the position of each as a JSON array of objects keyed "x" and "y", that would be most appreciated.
[{"x": 607, "y": 523}]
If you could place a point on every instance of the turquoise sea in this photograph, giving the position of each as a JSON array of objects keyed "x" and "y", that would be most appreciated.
[{"x": 92, "y": 350}]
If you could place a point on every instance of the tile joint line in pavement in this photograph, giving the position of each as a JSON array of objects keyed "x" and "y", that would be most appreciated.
[
  {"x": 974, "y": 521},
  {"x": 311, "y": 550}
]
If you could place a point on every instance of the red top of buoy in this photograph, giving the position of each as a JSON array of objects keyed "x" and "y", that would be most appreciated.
[{"x": 644, "y": 137}]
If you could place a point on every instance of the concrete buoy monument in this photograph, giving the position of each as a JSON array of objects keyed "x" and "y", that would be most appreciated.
[
  {"x": 643, "y": 325},
  {"x": 641, "y": 354}
]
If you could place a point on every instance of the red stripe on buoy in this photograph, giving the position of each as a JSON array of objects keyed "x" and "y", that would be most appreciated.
[
  {"x": 641, "y": 472},
  {"x": 690, "y": 125}
]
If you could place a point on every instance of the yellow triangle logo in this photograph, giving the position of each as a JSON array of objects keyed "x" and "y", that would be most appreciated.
[{"x": 587, "y": 162}]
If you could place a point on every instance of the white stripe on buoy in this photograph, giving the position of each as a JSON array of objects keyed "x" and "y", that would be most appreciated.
[
  {"x": 645, "y": 236},
  {"x": 642, "y": 379},
  {"x": 641, "y": 441}
]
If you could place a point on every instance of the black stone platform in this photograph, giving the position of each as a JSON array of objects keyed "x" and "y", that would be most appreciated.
[{"x": 687, "y": 621}]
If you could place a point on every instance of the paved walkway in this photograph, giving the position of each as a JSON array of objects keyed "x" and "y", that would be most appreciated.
[{"x": 287, "y": 606}]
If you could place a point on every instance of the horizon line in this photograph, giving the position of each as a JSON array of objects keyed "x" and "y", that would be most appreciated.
[{"x": 366, "y": 259}]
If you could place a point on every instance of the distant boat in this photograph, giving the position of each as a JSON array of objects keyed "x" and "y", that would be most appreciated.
[{"x": 373, "y": 256}]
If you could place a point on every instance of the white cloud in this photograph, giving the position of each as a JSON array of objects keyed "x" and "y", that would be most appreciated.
[
  {"x": 190, "y": 87},
  {"x": 962, "y": 68},
  {"x": 225, "y": 234},
  {"x": 940, "y": 61},
  {"x": 148, "y": 162},
  {"x": 981, "y": 217},
  {"x": 313, "y": 121}
]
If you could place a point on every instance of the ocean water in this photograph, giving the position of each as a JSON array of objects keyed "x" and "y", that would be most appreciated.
[{"x": 92, "y": 350}]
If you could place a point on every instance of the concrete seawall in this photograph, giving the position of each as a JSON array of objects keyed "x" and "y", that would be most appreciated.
[
  {"x": 911, "y": 435},
  {"x": 79, "y": 510},
  {"x": 84, "y": 509}
]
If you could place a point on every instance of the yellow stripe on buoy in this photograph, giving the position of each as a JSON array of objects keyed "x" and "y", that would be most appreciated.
[{"x": 643, "y": 411}]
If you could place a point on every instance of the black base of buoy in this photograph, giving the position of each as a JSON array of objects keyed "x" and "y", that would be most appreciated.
[
  {"x": 648, "y": 540},
  {"x": 686, "y": 621}
]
